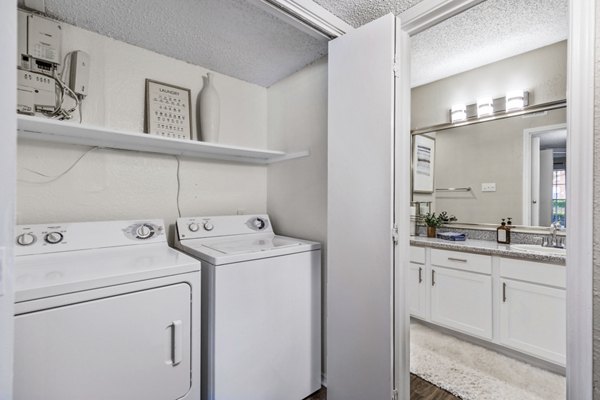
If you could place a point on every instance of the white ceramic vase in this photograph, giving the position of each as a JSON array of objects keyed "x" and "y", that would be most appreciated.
[{"x": 210, "y": 111}]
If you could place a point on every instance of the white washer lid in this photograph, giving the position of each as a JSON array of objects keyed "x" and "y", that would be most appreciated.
[
  {"x": 239, "y": 248},
  {"x": 252, "y": 244}
]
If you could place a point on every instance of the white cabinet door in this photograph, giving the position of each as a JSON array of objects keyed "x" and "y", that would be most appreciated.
[
  {"x": 533, "y": 320},
  {"x": 462, "y": 300},
  {"x": 132, "y": 346},
  {"x": 417, "y": 290}
]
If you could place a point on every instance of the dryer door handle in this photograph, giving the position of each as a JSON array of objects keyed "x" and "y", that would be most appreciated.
[{"x": 177, "y": 342}]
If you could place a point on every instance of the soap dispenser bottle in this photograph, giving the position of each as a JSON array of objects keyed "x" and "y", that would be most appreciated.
[{"x": 503, "y": 233}]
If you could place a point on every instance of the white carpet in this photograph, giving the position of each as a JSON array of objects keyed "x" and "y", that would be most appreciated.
[{"x": 474, "y": 373}]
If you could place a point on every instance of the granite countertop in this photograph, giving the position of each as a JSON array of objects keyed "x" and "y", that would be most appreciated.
[{"x": 487, "y": 247}]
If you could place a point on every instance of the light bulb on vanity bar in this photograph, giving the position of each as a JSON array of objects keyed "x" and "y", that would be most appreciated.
[
  {"x": 485, "y": 107},
  {"x": 458, "y": 113},
  {"x": 515, "y": 100}
]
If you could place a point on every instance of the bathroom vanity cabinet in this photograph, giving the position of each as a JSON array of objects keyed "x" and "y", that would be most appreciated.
[
  {"x": 417, "y": 276},
  {"x": 513, "y": 303},
  {"x": 532, "y": 308}
]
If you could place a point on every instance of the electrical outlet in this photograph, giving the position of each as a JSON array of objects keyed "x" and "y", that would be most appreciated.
[
  {"x": 488, "y": 187},
  {"x": 241, "y": 211}
]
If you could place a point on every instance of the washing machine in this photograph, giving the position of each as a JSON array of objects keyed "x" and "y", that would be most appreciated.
[
  {"x": 261, "y": 308},
  {"x": 105, "y": 310}
]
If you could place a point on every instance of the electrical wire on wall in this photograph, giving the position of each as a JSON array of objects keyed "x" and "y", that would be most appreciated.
[
  {"x": 53, "y": 178},
  {"x": 178, "y": 185}
]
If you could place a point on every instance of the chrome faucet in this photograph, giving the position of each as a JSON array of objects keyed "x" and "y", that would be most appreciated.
[{"x": 554, "y": 240}]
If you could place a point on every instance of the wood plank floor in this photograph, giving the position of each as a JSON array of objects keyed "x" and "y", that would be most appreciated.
[{"x": 419, "y": 390}]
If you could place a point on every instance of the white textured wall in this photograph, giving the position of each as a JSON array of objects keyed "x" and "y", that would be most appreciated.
[
  {"x": 7, "y": 192},
  {"x": 297, "y": 189},
  {"x": 109, "y": 184},
  {"x": 543, "y": 71}
]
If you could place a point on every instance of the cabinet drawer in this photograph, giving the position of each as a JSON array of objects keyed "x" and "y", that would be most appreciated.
[
  {"x": 417, "y": 255},
  {"x": 534, "y": 272},
  {"x": 463, "y": 261}
]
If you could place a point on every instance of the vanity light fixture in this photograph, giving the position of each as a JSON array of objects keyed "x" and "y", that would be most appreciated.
[
  {"x": 458, "y": 113},
  {"x": 515, "y": 100},
  {"x": 485, "y": 107}
]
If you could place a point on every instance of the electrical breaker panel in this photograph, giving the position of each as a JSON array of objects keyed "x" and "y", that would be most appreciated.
[{"x": 35, "y": 92}]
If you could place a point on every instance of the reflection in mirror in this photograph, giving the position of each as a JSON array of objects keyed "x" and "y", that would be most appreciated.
[
  {"x": 509, "y": 165},
  {"x": 513, "y": 167}
]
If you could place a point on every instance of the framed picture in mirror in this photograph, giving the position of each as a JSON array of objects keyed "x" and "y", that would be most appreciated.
[{"x": 423, "y": 168}]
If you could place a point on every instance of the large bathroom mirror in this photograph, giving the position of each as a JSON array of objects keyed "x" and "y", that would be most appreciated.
[
  {"x": 510, "y": 164},
  {"x": 513, "y": 167}
]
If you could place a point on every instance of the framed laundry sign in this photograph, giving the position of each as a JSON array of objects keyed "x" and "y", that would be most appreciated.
[
  {"x": 168, "y": 110},
  {"x": 423, "y": 167}
]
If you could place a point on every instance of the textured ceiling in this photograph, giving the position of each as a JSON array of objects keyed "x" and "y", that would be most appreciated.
[
  {"x": 236, "y": 38},
  {"x": 359, "y": 12},
  {"x": 488, "y": 32},
  {"x": 232, "y": 37}
]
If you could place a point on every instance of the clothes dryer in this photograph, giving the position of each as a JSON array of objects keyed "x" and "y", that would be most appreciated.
[{"x": 105, "y": 310}]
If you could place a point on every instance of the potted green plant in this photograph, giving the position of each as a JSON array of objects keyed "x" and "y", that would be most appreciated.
[{"x": 435, "y": 221}]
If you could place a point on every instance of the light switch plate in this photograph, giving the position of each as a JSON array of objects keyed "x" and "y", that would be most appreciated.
[{"x": 488, "y": 187}]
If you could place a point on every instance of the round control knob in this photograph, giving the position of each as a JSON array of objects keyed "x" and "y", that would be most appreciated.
[
  {"x": 259, "y": 223},
  {"x": 144, "y": 232},
  {"x": 54, "y": 237},
  {"x": 193, "y": 227},
  {"x": 25, "y": 239},
  {"x": 208, "y": 226}
]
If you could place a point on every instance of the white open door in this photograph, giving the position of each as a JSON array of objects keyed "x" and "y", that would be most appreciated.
[
  {"x": 361, "y": 205},
  {"x": 535, "y": 181},
  {"x": 402, "y": 215}
]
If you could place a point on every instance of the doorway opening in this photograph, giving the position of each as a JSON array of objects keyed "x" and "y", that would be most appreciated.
[
  {"x": 545, "y": 176},
  {"x": 483, "y": 325}
]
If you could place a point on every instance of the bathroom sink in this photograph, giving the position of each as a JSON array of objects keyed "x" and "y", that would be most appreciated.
[{"x": 539, "y": 249}]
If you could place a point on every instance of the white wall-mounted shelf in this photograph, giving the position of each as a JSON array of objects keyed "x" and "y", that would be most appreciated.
[{"x": 49, "y": 130}]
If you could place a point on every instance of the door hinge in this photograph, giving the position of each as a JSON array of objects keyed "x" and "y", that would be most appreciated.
[
  {"x": 396, "y": 69},
  {"x": 395, "y": 394},
  {"x": 395, "y": 234}
]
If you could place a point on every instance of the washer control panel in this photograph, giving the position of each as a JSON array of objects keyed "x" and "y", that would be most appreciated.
[
  {"x": 205, "y": 227},
  {"x": 53, "y": 238},
  {"x": 142, "y": 231}
]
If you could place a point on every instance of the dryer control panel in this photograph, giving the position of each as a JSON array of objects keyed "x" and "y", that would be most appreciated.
[
  {"x": 227, "y": 225},
  {"x": 53, "y": 238}
]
